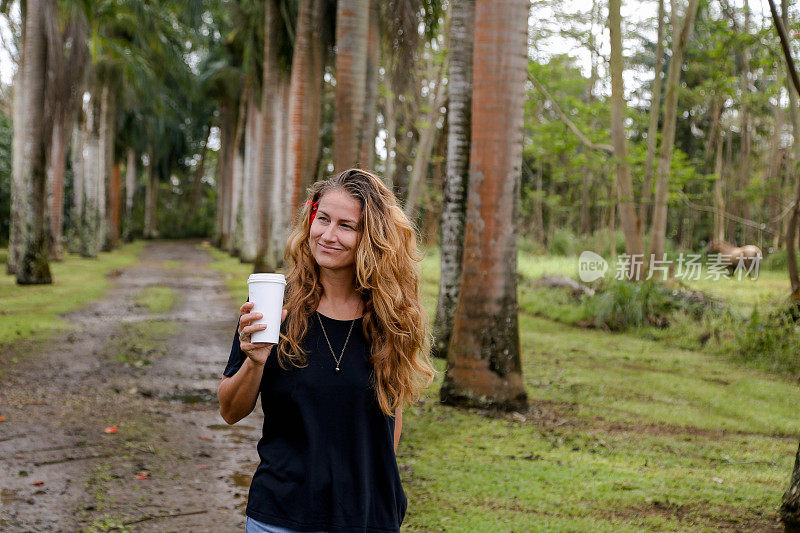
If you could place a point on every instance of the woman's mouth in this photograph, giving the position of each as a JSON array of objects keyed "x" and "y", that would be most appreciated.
[{"x": 328, "y": 248}]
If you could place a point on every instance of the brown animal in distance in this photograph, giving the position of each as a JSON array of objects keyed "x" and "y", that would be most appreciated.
[{"x": 732, "y": 255}]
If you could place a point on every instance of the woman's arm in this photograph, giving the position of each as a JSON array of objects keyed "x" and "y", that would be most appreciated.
[
  {"x": 238, "y": 393},
  {"x": 398, "y": 426}
]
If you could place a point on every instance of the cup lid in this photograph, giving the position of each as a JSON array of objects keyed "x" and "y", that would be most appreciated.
[{"x": 272, "y": 278}]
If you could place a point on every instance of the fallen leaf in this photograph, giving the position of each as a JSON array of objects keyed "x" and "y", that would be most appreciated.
[
  {"x": 112, "y": 429},
  {"x": 202, "y": 466},
  {"x": 205, "y": 438},
  {"x": 141, "y": 476},
  {"x": 717, "y": 480},
  {"x": 2, "y": 419},
  {"x": 469, "y": 440},
  {"x": 38, "y": 483}
]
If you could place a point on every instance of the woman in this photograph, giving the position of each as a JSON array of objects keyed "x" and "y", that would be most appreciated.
[{"x": 353, "y": 349}]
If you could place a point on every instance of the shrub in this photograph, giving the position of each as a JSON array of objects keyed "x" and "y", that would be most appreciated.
[{"x": 770, "y": 341}]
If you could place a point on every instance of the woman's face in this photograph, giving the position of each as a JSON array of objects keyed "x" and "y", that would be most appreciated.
[{"x": 335, "y": 231}]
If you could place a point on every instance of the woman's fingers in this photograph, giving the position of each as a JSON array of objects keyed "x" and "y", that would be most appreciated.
[
  {"x": 246, "y": 307},
  {"x": 254, "y": 328}
]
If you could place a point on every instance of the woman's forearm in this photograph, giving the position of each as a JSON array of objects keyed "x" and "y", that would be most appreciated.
[{"x": 238, "y": 394}]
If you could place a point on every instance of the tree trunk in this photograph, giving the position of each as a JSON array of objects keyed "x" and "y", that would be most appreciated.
[
  {"x": 747, "y": 138},
  {"x": 655, "y": 112},
  {"x": 114, "y": 206},
  {"x": 33, "y": 267},
  {"x": 130, "y": 188},
  {"x": 282, "y": 191},
  {"x": 151, "y": 199},
  {"x": 484, "y": 366},
  {"x": 252, "y": 171},
  {"x": 352, "y": 22},
  {"x": 223, "y": 172},
  {"x": 19, "y": 163},
  {"x": 305, "y": 99},
  {"x": 367, "y": 151},
  {"x": 631, "y": 225},
  {"x": 269, "y": 88},
  {"x": 55, "y": 195},
  {"x": 659, "y": 225},
  {"x": 454, "y": 194},
  {"x": 106, "y": 156},
  {"x": 719, "y": 196}
]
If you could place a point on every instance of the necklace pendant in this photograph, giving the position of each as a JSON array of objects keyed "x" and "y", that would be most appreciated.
[{"x": 338, "y": 370}]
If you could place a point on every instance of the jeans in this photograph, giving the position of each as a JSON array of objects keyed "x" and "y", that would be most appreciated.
[{"x": 254, "y": 526}]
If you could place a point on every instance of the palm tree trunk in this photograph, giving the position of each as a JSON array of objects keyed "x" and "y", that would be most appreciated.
[
  {"x": 130, "y": 188},
  {"x": 33, "y": 267},
  {"x": 457, "y": 172},
  {"x": 106, "y": 155},
  {"x": 19, "y": 163},
  {"x": 367, "y": 151},
  {"x": 114, "y": 206},
  {"x": 151, "y": 199},
  {"x": 484, "y": 366},
  {"x": 237, "y": 167},
  {"x": 352, "y": 21},
  {"x": 659, "y": 223},
  {"x": 55, "y": 194},
  {"x": 305, "y": 99},
  {"x": 269, "y": 87},
  {"x": 282, "y": 186},
  {"x": 252, "y": 169}
]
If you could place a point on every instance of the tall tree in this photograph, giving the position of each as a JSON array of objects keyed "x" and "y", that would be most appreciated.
[
  {"x": 269, "y": 116},
  {"x": 457, "y": 173},
  {"x": 658, "y": 231},
  {"x": 34, "y": 267},
  {"x": 631, "y": 224},
  {"x": 352, "y": 23},
  {"x": 655, "y": 113},
  {"x": 305, "y": 100},
  {"x": 484, "y": 366}
]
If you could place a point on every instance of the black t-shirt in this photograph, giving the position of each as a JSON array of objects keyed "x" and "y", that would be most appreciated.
[{"x": 327, "y": 449}]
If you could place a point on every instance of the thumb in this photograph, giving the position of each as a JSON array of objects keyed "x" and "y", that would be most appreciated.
[{"x": 283, "y": 314}]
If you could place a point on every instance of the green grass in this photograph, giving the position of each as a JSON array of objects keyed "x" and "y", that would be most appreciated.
[
  {"x": 139, "y": 343},
  {"x": 157, "y": 299},
  {"x": 625, "y": 433},
  {"x": 33, "y": 311}
]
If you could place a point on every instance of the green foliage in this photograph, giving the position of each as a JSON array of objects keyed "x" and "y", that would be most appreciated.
[
  {"x": 620, "y": 305},
  {"x": 777, "y": 261},
  {"x": 767, "y": 340}
]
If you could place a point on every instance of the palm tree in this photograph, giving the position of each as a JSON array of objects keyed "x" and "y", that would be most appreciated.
[
  {"x": 33, "y": 267},
  {"x": 305, "y": 100},
  {"x": 352, "y": 22},
  {"x": 484, "y": 366},
  {"x": 457, "y": 179}
]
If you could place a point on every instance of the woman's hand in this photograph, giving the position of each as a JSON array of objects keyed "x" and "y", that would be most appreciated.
[{"x": 257, "y": 352}]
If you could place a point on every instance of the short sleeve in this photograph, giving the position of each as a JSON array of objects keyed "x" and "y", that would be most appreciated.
[{"x": 237, "y": 357}]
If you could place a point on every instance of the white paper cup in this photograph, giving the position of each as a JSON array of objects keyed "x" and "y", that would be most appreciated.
[{"x": 266, "y": 293}]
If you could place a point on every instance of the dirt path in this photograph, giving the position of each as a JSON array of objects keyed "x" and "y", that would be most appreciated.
[{"x": 155, "y": 378}]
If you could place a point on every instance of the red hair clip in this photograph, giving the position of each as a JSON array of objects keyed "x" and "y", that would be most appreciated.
[{"x": 313, "y": 210}]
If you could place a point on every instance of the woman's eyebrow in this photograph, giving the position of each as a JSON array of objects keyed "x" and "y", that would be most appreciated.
[{"x": 342, "y": 220}]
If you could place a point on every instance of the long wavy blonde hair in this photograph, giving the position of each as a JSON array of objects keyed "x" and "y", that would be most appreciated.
[{"x": 395, "y": 324}]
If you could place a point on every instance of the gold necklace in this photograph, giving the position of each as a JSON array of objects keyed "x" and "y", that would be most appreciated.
[{"x": 329, "y": 342}]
